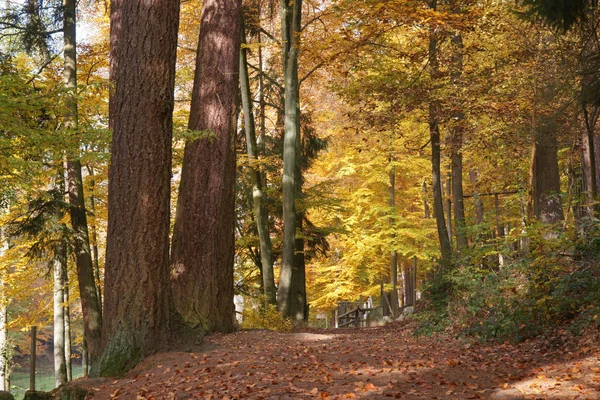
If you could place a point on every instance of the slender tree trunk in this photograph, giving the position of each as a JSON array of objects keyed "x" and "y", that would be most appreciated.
[
  {"x": 449, "y": 205},
  {"x": 143, "y": 50},
  {"x": 202, "y": 253},
  {"x": 426, "y": 211},
  {"x": 290, "y": 25},
  {"x": 90, "y": 304},
  {"x": 409, "y": 290},
  {"x": 394, "y": 254},
  {"x": 476, "y": 199},
  {"x": 299, "y": 303},
  {"x": 258, "y": 196},
  {"x": 85, "y": 364},
  {"x": 3, "y": 320},
  {"x": 68, "y": 350},
  {"x": 94, "y": 234},
  {"x": 58, "y": 263},
  {"x": 589, "y": 157}
]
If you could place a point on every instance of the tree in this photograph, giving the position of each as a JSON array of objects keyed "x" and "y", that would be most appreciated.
[
  {"x": 202, "y": 253},
  {"x": 434, "y": 137},
  {"x": 91, "y": 305},
  {"x": 142, "y": 65},
  {"x": 262, "y": 225},
  {"x": 290, "y": 300}
]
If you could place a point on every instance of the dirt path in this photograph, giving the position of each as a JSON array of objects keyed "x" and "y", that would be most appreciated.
[{"x": 371, "y": 363}]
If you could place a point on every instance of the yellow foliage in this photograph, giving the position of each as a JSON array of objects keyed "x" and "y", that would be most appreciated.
[{"x": 257, "y": 317}]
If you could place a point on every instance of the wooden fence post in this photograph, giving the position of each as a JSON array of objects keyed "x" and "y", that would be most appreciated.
[{"x": 33, "y": 358}]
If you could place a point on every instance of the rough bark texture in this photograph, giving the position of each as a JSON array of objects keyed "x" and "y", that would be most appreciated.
[
  {"x": 58, "y": 264},
  {"x": 90, "y": 304},
  {"x": 142, "y": 66},
  {"x": 203, "y": 238},
  {"x": 290, "y": 27},
  {"x": 258, "y": 196},
  {"x": 434, "y": 134}
]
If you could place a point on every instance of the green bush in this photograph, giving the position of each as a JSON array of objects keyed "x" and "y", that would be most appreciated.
[
  {"x": 257, "y": 316},
  {"x": 556, "y": 282}
]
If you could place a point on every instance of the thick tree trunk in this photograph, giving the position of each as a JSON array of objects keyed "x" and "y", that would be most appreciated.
[
  {"x": 202, "y": 254},
  {"x": 90, "y": 304},
  {"x": 258, "y": 196},
  {"x": 290, "y": 17},
  {"x": 58, "y": 264},
  {"x": 142, "y": 66}
]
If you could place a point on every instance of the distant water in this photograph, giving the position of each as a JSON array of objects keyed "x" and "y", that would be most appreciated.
[{"x": 44, "y": 380}]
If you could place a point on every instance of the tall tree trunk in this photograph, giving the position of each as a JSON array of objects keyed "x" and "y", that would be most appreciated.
[
  {"x": 290, "y": 26},
  {"x": 299, "y": 303},
  {"x": 434, "y": 134},
  {"x": 58, "y": 264},
  {"x": 456, "y": 140},
  {"x": 258, "y": 196},
  {"x": 202, "y": 254},
  {"x": 589, "y": 163},
  {"x": 95, "y": 255},
  {"x": 3, "y": 319},
  {"x": 394, "y": 254},
  {"x": 90, "y": 304},
  {"x": 68, "y": 350},
  {"x": 142, "y": 66}
]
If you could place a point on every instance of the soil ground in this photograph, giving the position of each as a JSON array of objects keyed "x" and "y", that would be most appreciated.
[{"x": 368, "y": 363}]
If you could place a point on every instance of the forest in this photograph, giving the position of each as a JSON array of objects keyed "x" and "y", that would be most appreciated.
[{"x": 184, "y": 175}]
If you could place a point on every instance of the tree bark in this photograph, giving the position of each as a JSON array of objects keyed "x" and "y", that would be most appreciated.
[
  {"x": 58, "y": 264},
  {"x": 142, "y": 66},
  {"x": 394, "y": 254},
  {"x": 457, "y": 132},
  {"x": 434, "y": 134},
  {"x": 68, "y": 349},
  {"x": 258, "y": 196},
  {"x": 290, "y": 26},
  {"x": 94, "y": 234},
  {"x": 426, "y": 211},
  {"x": 90, "y": 304},
  {"x": 3, "y": 320},
  {"x": 202, "y": 253}
]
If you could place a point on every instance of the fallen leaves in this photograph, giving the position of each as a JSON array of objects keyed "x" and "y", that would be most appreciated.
[{"x": 373, "y": 363}]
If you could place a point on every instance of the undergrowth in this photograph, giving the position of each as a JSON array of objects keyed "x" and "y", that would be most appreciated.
[
  {"x": 554, "y": 282},
  {"x": 257, "y": 315}
]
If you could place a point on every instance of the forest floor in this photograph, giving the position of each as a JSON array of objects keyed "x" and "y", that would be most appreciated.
[{"x": 368, "y": 363}]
